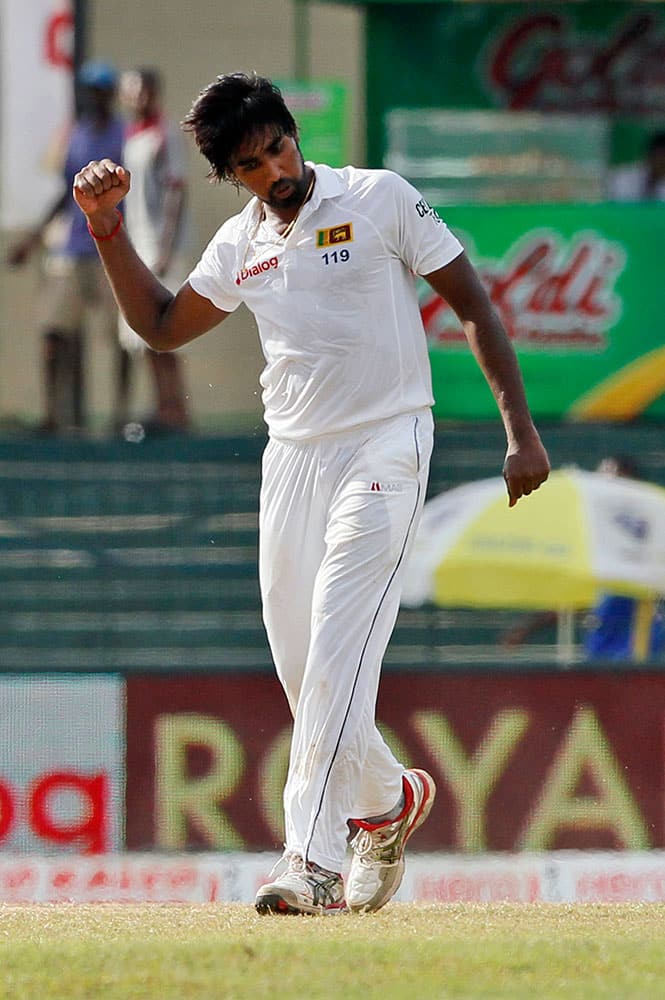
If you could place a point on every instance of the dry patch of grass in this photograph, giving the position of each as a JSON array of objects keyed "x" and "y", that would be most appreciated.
[{"x": 405, "y": 952}]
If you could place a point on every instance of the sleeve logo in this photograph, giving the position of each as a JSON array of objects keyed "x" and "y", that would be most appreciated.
[
  {"x": 424, "y": 209},
  {"x": 335, "y": 235}
]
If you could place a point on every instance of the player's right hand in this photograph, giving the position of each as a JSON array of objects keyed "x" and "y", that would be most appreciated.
[{"x": 100, "y": 186}]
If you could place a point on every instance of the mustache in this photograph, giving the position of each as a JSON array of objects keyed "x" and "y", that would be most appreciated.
[{"x": 283, "y": 183}]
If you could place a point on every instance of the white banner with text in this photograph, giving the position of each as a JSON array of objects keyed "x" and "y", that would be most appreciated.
[{"x": 36, "y": 56}]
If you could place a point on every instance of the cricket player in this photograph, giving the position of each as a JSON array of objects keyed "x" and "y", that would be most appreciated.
[{"x": 326, "y": 260}]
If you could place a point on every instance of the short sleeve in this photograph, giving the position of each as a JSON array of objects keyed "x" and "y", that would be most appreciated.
[
  {"x": 213, "y": 275},
  {"x": 423, "y": 241}
]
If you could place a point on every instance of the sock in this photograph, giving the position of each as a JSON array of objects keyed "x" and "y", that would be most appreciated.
[{"x": 398, "y": 811}]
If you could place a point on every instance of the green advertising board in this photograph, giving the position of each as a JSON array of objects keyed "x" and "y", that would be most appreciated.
[
  {"x": 320, "y": 108},
  {"x": 595, "y": 57},
  {"x": 580, "y": 291}
]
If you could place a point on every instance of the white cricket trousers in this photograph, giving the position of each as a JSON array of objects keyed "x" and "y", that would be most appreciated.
[{"x": 337, "y": 516}]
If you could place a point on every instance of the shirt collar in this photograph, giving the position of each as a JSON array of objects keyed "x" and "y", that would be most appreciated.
[{"x": 328, "y": 183}]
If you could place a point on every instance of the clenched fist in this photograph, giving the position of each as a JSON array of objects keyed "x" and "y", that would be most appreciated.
[
  {"x": 526, "y": 467},
  {"x": 99, "y": 187}
]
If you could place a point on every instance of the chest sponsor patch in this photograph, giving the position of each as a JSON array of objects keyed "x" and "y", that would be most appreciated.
[
  {"x": 252, "y": 272},
  {"x": 335, "y": 235}
]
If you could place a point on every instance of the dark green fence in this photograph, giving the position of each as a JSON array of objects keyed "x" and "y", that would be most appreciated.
[{"x": 116, "y": 556}]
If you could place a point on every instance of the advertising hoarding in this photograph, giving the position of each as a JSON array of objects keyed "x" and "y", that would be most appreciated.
[
  {"x": 522, "y": 762},
  {"x": 578, "y": 291},
  {"x": 36, "y": 101},
  {"x": 61, "y": 764},
  {"x": 555, "y": 877},
  {"x": 321, "y": 109},
  {"x": 593, "y": 57}
]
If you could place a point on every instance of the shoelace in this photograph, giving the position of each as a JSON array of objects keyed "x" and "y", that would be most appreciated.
[
  {"x": 292, "y": 862},
  {"x": 324, "y": 884},
  {"x": 382, "y": 843},
  {"x": 288, "y": 862},
  {"x": 324, "y": 891}
]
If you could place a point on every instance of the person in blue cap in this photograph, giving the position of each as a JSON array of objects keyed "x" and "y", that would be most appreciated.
[{"x": 75, "y": 286}]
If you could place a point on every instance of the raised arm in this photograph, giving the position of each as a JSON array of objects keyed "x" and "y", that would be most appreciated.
[
  {"x": 165, "y": 321},
  {"x": 526, "y": 464}
]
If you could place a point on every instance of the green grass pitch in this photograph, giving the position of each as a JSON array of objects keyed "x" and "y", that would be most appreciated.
[{"x": 404, "y": 952}]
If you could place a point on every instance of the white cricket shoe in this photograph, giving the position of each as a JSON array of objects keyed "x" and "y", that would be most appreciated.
[
  {"x": 378, "y": 848},
  {"x": 302, "y": 888}
]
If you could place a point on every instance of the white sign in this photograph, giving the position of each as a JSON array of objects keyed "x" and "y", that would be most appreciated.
[
  {"x": 36, "y": 84},
  {"x": 556, "y": 877},
  {"x": 61, "y": 764}
]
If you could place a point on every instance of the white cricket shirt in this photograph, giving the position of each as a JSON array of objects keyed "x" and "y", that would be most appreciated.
[
  {"x": 154, "y": 154},
  {"x": 335, "y": 302}
]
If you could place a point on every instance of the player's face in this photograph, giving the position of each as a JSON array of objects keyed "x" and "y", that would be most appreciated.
[
  {"x": 135, "y": 94},
  {"x": 270, "y": 166}
]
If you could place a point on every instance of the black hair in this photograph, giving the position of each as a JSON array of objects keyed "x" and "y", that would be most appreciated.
[
  {"x": 150, "y": 77},
  {"x": 231, "y": 110},
  {"x": 656, "y": 141}
]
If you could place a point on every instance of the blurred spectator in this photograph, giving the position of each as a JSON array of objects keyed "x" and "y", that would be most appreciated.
[
  {"x": 618, "y": 627},
  {"x": 157, "y": 222},
  {"x": 643, "y": 181},
  {"x": 74, "y": 277}
]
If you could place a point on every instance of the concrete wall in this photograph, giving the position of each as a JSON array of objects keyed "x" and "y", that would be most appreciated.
[{"x": 191, "y": 44}]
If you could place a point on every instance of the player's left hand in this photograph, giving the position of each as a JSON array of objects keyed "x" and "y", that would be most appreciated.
[{"x": 526, "y": 467}]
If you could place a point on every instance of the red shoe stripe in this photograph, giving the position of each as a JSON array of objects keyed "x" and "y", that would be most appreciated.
[
  {"x": 408, "y": 802},
  {"x": 426, "y": 798}
]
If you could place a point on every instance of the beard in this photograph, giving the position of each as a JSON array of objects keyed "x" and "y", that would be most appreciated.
[{"x": 289, "y": 192}]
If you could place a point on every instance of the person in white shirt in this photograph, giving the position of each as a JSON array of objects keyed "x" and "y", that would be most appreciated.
[
  {"x": 157, "y": 220},
  {"x": 326, "y": 259},
  {"x": 644, "y": 181}
]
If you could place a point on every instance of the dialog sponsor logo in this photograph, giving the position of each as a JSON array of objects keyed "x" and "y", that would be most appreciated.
[
  {"x": 59, "y": 810},
  {"x": 256, "y": 269}
]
